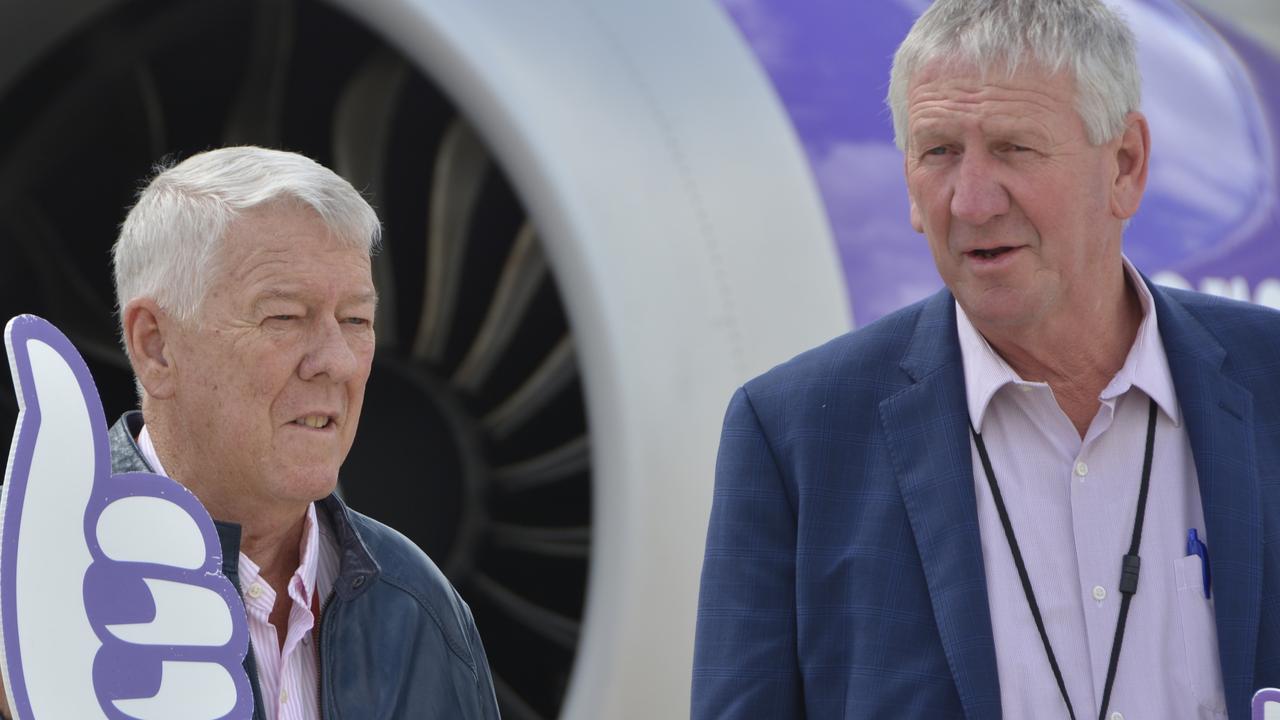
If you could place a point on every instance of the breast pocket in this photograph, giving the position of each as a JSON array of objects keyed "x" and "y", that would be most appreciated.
[{"x": 1199, "y": 637}]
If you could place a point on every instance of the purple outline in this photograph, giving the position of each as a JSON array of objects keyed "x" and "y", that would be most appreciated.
[
  {"x": 1260, "y": 700},
  {"x": 16, "y": 333},
  {"x": 106, "y": 581}
]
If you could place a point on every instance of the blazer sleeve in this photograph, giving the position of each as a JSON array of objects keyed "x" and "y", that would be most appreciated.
[{"x": 745, "y": 656}]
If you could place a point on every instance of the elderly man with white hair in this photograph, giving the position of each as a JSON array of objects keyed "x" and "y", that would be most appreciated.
[
  {"x": 247, "y": 306},
  {"x": 1051, "y": 490}
]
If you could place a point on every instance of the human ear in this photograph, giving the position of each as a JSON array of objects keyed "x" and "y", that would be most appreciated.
[
  {"x": 148, "y": 331},
  {"x": 1133, "y": 149},
  {"x": 916, "y": 221}
]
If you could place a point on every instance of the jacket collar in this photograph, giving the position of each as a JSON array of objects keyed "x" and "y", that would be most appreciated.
[
  {"x": 1218, "y": 412},
  {"x": 926, "y": 426}
]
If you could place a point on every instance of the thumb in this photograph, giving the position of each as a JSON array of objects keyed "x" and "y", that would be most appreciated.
[{"x": 59, "y": 453}]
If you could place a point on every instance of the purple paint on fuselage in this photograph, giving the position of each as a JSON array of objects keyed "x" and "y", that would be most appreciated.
[{"x": 1211, "y": 97}]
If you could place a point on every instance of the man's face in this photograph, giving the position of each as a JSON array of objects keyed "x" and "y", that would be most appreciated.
[
  {"x": 1015, "y": 202},
  {"x": 270, "y": 378}
]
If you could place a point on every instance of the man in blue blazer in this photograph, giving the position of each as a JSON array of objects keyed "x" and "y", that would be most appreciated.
[{"x": 904, "y": 522}]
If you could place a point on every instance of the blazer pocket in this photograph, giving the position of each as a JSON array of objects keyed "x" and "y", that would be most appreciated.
[{"x": 1199, "y": 637}]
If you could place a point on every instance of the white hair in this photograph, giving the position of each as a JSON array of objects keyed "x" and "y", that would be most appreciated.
[
  {"x": 1084, "y": 37},
  {"x": 169, "y": 241}
]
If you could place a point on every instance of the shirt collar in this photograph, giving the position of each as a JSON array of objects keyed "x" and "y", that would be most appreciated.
[
  {"x": 304, "y": 577},
  {"x": 1146, "y": 366},
  {"x": 148, "y": 450}
]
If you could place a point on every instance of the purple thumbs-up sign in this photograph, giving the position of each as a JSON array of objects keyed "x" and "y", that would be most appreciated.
[{"x": 112, "y": 604}]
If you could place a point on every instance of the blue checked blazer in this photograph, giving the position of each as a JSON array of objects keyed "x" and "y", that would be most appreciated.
[{"x": 843, "y": 575}]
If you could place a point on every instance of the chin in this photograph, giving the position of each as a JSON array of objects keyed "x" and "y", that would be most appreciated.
[
  {"x": 997, "y": 315},
  {"x": 308, "y": 484},
  {"x": 1001, "y": 306}
]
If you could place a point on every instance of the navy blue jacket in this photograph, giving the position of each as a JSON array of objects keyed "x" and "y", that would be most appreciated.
[
  {"x": 843, "y": 573},
  {"x": 396, "y": 640}
]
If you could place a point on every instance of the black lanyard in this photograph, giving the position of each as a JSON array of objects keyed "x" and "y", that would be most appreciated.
[{"x": 1129, "y": 565}]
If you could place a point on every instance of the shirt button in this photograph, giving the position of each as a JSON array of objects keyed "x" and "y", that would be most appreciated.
[
  {"x": 284, "y": 698},
  {"x": 1082, "y": 469},
  {"x": 255, "y": 591},
  {"x": 1100, "y": 594},
  {"x": 1116, "y": 716}
]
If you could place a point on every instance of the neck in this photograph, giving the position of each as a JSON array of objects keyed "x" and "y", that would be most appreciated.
[
  {"x": 275, "y": 550},
  {"x": 270, "y": 533},
  {"x": 1077, "y": 353}
]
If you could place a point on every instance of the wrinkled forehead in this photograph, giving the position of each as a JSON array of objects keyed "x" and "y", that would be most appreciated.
[
  {"x": 284, "y": 244},
  {"x": 1021, "y": 94}
]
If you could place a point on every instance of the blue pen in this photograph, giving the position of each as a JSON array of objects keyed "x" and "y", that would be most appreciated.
[{"x": 1196, "y": 547}]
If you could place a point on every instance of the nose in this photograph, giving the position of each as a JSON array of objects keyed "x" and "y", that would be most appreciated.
[
  {"x": 978, "y": 195},
  {"x": 330, "y": 354}
]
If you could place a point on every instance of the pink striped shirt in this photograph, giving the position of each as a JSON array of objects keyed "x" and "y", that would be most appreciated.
[
  {"x": 289, "y": 676},
  {"x": 1071, "y": 503}
]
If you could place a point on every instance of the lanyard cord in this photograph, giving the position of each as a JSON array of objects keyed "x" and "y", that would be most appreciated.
[{"x": 1129, "y": 564}]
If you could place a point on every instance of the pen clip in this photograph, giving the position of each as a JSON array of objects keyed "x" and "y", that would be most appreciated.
[{"x": 1197, "y": 547}]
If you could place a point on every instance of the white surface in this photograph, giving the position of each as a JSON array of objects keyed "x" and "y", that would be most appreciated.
[
  {"x": 150, "y": 530},
  {"x": 56, "y": 641},
  {"x": 685, "y": 232}
]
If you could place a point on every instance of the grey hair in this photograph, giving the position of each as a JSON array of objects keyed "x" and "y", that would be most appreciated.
[
  {"x": 168, "y": 243},
  {"x": 1085, "y": 37}
]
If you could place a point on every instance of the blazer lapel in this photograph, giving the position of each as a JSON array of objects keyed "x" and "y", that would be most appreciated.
[
  {"x": 1219, "y": 420},
  {"x": 926, "y": 426}
]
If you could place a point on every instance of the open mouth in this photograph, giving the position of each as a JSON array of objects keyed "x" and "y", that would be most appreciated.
[
  {"x": 990, "y": 253},
  {"x": 316, "y": 422}
]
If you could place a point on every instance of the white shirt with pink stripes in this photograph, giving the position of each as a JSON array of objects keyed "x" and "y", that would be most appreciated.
[{"x": 288, "y": 676}]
